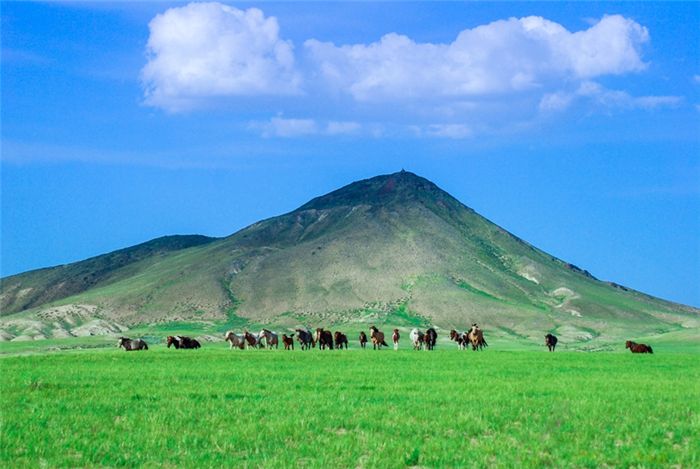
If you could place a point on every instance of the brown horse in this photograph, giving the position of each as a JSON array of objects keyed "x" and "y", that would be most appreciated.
[
  {"x": 395, "y": 338},
  {"x": 235, "y": 340},
  {"x": 638, "y": 348},
  {"x": 181, "y": 341},
  {"x": 340, "y": 340},
  {"x": 460, "y": 338},
  {"x": 551, "y": 342},
  {"x": 430, "y": 339},
  {"x": 288, "y": 341},
  {"x": 132, "y": 344},
  {"x": 476, "y": 338},
  {"x": 172, "y": 341},
  {"x": 377, "y": 337},
  {"x": 363, "y": 339},
  {"x": 324, "y": 338},
  {"x": 270, "y": 337},
  {"x": 250, "y": 340}
]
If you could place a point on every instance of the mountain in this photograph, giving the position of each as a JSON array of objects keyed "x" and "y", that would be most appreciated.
[{"x": 393, "y": 249}]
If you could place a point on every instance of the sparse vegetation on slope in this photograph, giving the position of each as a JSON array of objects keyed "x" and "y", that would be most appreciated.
[{"x": 393, "y": 249}]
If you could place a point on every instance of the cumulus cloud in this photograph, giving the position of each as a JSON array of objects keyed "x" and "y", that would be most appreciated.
[
  {"x": 500, "y": 57},
  {"x": 205, "y": 50},
  {"x": 488, "y": 77}
]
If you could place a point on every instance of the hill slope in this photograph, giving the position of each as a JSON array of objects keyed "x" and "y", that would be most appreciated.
[{"x": 394, "y": 249}]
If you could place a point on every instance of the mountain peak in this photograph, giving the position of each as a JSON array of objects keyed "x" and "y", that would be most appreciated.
[
  {"x": 402, "y": 186},
  {"x": 395, "y": 248}
]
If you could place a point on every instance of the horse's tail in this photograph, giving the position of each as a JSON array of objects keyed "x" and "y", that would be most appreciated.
[{"x": 384, "y": 343}]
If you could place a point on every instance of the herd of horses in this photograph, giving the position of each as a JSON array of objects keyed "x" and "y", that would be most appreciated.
[{"x": 325, "y": 339}]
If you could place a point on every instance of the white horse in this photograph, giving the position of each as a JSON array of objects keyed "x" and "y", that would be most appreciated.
[
  {"x": 271, "y": 338},
  {"x": 236, "y": 340},
  {"x": 418, "y": 338}
]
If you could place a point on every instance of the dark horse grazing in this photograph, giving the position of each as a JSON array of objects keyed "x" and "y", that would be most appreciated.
[
  {"x": 377, "y": 337},
  {"x": 181, "y": 341},
  {"x": 132, "y": 344},
  {"x": 551, "y": 342},
  {"x": 306, "y": 340},
  {"x": 324, "y": 338},
  {"x": 288, "y": 341},
  {"x": 430, "y": 339},
  {"x": 363, "y": 339},
  {"x": 638, "y": 348},
  {"x": 340, "y": 340}
]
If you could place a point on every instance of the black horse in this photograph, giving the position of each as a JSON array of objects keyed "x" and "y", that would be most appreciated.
[
  {"x": 324, "y": 338},
  {"x": 306, "y": 340},
  {"x": 181, "y": 341},
  {"x": 363, "y": 339},
  {"x": 340, "y": 340},
  {"x": 430, "y": 339},
  {"x": 132, "y": 344},
  {"x": 551, "y": 342}
]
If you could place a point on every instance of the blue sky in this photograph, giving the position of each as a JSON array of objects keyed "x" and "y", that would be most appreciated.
[{"x": 575, "y": 126}]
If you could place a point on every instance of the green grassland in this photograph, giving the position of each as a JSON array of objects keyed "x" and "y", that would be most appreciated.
[
  {"x": 258, "y": 408},
  {"x": 502, "y": 339}
]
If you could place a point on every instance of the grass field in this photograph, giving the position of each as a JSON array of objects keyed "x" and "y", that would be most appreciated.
[{"x": 216, "y": 407}]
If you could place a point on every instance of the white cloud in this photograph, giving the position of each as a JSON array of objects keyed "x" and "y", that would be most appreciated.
[
  {"x": 291, "y": 127},
  {"x": 455, "y": 131},
  {"x": 281, "y": 127},
  {"x": 342, "y": 128},
  {"x": 488, "y": 77},
  {"x": 205, "y": 50},
  {"x": 652, "y": 102},
  {"x": 287, "y": 128},
  {"x": 604, "y": 98},
  {"x": 505, "y": 56},
  {"x": 556, "y": 101}
]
